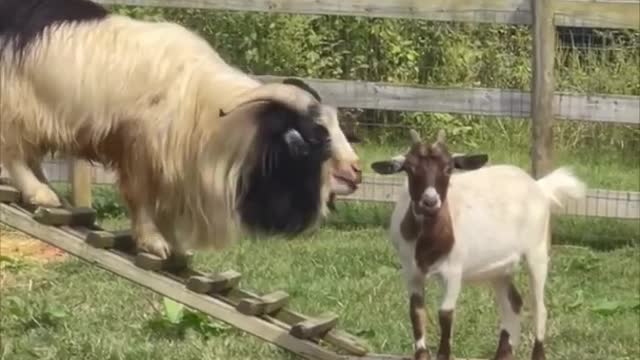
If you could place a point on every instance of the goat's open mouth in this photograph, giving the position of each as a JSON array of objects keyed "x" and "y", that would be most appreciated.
[
  {"x": 427, "y": 210},
  {"x": 342, "y": 186},
  {"x": 430, "y": 210}
]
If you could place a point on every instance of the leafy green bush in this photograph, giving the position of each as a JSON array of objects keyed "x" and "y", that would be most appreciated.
[{"x": 107, "y": 202}]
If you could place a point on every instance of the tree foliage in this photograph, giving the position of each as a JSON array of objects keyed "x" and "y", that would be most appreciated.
[{"x": 425, "y": 53}]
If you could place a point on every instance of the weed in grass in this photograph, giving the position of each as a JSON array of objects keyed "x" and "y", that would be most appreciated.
[{"x": 176, "y": 320}]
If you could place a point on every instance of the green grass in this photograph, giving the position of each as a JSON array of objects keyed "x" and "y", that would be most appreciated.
[{"x": 72, "y": 310}]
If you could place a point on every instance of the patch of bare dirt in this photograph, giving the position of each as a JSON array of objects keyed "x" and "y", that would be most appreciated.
[{"x": 18, "y": 245}]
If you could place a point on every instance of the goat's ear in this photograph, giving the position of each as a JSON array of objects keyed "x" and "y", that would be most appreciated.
[
  {"x": 298, "y": 147},
  {"x": 470, "y": 162},
  {"x": 387, "y": 167}
]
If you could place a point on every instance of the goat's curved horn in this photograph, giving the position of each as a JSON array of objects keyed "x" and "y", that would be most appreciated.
[
  {"x": 285, "y": 94},
  {"x": 415, "y": 137},
  {"x": 441, "y": 138}
]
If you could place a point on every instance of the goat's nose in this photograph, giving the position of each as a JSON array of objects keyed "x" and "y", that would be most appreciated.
[{"x": 429, "y": 201}]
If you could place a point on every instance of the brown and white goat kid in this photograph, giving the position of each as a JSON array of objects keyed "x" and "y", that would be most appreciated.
[{"x": 473, "y": 227}]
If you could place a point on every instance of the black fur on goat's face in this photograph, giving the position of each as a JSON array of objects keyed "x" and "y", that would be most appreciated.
[{"x": 282, "y": 193}]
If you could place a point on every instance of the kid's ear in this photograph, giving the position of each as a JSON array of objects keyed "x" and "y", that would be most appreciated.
[
  {"x": 388, "y": 167},
  {"x": 470, "y": 162}
]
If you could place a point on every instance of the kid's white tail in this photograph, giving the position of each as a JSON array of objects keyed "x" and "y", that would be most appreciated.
[{"x": 561, "y": 185}]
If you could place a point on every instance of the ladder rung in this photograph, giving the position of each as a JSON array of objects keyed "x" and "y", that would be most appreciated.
[
  {"x": 101, "y": 239},
  {"x": 120, "y": 240},
  {"x": 267, "y": 304},
  {"x": 149, "y": 261},
  {"x": 214, "y": 284},
  {"x": 82, "y": 216},
  {"x": 152, "y": 262},
  {"x": 9, "y": 194},
  {"x": 314, "y": 327}
]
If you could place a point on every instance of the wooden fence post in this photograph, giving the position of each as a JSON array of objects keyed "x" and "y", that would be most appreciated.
[
  {"x": 80, "y": 183},
  {"x": 542, "y": 89}
]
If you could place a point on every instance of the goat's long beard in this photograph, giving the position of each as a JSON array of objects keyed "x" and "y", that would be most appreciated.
[{"x": 269, "y": 161}]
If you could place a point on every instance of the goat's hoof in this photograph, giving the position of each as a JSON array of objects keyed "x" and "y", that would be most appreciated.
[
  {"x": 43, "y": 196},
  {"x": 504, "y": 356},
  {"x": 156, "y": 245},
  {"x": 422, "y": 354},
  {"x": 538, "y": 351}
]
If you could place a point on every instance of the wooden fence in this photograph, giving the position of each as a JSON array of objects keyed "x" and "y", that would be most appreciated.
[{"x": 542, "y": 104}]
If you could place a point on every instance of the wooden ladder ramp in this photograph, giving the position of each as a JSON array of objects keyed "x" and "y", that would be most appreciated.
[{"x": 74, "y": 231}]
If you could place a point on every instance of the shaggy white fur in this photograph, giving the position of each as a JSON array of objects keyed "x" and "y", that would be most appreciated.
[{"x": 146, "y": 98}]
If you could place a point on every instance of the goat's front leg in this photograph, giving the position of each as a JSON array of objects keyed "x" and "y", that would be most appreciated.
[
  {"x": 452, "y": 281},
  {"x": 417, "y": 313},
  {"x": 36, "y": 166},
  {"x": 33, "y": 190},
  {"x": 147, "y": 236}
]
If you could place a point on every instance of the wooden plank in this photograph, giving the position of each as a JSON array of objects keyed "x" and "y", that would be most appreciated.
[
  {"x": 214, "y": 284},
  {"x": 486, "y": 11},
  {"x": 101, "y": 239},
  {"x": 335, "y": 337},
  {"x": 597, "y": 13},
  {"x": 600, "y": 108},
  {"x": 542, "y": 88},
  {"x": 153, "y": 262},
  {"x": 150, "y": 262},
  {"x": 9, "y": 194},
  {"x": 120, "y": 240},
  {"x": 80, "y": 183},
  {"x": 267, "y": 304},
  {"x": 173, "y": 289},
  {"x": 579, "y": 13},
  {"x": 287, "y": 317},
  {"x": 80, "y": 216},
  {"x": 315, "y": 327},
  {"x": 473, "y": 101}
]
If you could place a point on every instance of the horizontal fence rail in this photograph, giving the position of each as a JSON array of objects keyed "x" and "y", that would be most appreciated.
[
  {"x": 473, "y": 101},
  {"x": 578, "y": 13}
]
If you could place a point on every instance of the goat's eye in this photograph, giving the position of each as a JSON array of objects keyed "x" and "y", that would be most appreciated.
[
  {"x": 447, "y": 169},
  {"x": 320, "y": 135}
]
